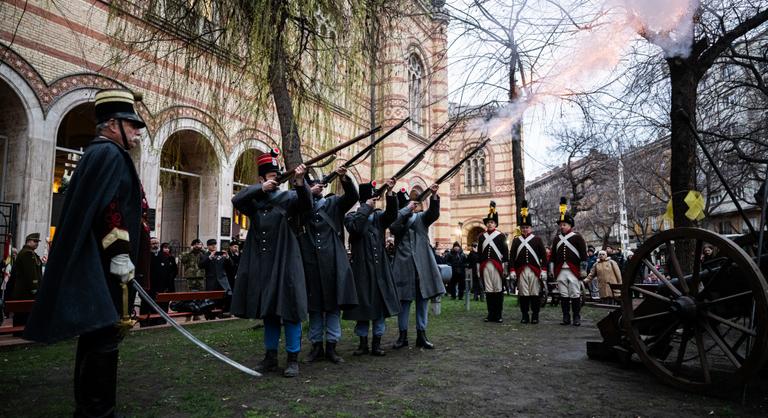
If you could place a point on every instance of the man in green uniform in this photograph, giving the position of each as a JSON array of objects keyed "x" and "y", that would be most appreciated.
[
  {"x": 194, "y": 274},
  {"x": 25, "y": 276}
]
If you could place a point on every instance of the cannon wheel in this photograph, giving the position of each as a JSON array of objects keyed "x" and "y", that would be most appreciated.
[{"x": 704, "y": 331}]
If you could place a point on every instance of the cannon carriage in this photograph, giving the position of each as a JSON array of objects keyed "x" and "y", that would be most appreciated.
[{"x": 697, "y": 322}]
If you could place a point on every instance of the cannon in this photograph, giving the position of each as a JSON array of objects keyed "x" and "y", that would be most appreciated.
[{"x": 695, "y": 322}]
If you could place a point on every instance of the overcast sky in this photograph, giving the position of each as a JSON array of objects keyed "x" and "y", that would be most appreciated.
[{"x": 580, "y": 62}]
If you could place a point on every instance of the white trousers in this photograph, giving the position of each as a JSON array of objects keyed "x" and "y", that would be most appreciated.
[
  {"x": 528, "y": 284},
  {"x": 491, "y": 278},
  {"x": 568, "y": 284}
]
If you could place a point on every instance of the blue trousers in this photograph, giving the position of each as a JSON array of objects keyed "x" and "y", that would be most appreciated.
[
  {"x": 379, "y": 326},
  {"x": 421, "y": 313},
  {"x": 272, "y": 334},
  {"x": 330, "y": 322}
]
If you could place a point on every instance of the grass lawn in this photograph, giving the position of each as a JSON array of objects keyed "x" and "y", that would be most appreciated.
[{"x": 478, "y": 369}]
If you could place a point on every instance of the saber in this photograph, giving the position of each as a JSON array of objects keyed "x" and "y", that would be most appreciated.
[{"x": 189, "y": 335}]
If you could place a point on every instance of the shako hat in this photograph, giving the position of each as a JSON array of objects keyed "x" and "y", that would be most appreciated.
[
  {"x": 525, "y": 218},
  {"x": 268, "y": 162},
  {"x": 564, "y": 215},
  {"x": 492, "y": 214},
  {"x": 117, "y": 104},
  {"x": 366, "y": 190}
]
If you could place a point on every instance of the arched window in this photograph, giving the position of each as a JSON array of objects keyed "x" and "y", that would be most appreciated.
[
  {"x": 416, "y": 93},
  {"x": 474, "y": 174}
]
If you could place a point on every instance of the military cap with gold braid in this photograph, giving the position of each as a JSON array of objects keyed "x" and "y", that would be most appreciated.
[
  {"x": 525, "y": 218},
  {"x": 117, "y": 104},
  {"x": 564, "y": 215},
  {"x": 492, "y": 214}
]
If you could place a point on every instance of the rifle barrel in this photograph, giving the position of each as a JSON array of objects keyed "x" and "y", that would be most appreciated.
[
  {"x": 285, "y": 176},
  {"x": 331, "y": 176},
  {"x": 416, "y": 159},
  {"x": 450, "y": 173}
]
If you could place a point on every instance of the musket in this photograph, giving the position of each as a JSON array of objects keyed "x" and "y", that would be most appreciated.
[
  {"x": 285, "y": 176},
  {"x": 143, "y": 294},
  {"x": 452, "y": 172},
  {"x": 330, "y": 177},
  {"x": 410, "y": 165}
]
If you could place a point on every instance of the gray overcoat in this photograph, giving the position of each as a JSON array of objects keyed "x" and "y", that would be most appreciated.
[
  {"x": 330, "y": 284},
  {"x": 376, "y": 292},
  {"x": 270, "y": 277},
  {"x": 414, "y": 257}
]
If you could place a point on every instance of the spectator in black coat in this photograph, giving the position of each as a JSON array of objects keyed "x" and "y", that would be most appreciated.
[
  {"x": 458, "y": 262},
  {"x": 473, "y": 258},
  {"x": 234, "y": 257}
]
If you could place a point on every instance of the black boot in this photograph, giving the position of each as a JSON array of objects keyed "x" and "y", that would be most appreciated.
[
  {"x": 576, "y": 306},
  {"x": 422, "y": 341},
  {"x": 565, "y": 305},
  {"x": 491, "y": 305},
  {"x": 524, "y": 306},
  {"x": 402, "y": 340},
  {"x": 97, "y": 393},
  {"x": 293, "y": 365},
  {"x": 535, "y": 308},
  {"x": 331, "y": 354},
  {"x": 316, "y": 354},
  {"x": 376, "y": 347},
  {"x": 499, "y": 306},
  {"x": 269, "y": 364},
  {"x": 362, "y": 348}
]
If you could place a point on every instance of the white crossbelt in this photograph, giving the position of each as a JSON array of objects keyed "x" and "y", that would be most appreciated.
[
  {"x": 489, "y": 241},
  {"x": 524, "y": 243},
  {"x": 564, "y": 240}
]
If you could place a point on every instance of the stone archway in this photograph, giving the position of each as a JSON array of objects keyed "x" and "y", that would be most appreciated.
[
  {"x": 75, "y": 132},
  {"x": 473, "y": 232},
  {"x": 14, "y": 134},
  {"x": 188, "y": 190},
  {"x": 246, "y": 173}
]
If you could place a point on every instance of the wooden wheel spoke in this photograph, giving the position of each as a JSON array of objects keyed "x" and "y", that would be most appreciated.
[
  {"x": 731, "y": 324},
  {"x": 735, "y": 347},
  {"x": 696, "y": 274},
  {"x": 722, "y": 344},
  {"x": 661, "y": 277},
  {"x": 661, "y": 336},
  {"x": 727, "y": 298},
  {"x": 677, "y": 268},
  {"x": 651, "y": 316},
  {"x": 681, "y": 350},
  {"x": 651, "y": 294},
  {"x": 702, "y": 356}
]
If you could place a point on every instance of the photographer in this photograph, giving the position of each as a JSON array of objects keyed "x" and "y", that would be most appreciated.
[{"x": 215, "y": 263}]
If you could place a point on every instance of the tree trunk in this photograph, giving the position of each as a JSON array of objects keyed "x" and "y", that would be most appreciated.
[
  {"x": 278, "y": 85},
  {"x": 518, "y": 174},
  {"x": 682, "y": 176}
]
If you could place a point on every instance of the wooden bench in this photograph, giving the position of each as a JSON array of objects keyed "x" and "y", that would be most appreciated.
[
  {"x": 182, "y": 296},
  {"x": 20, "y": 306}
]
